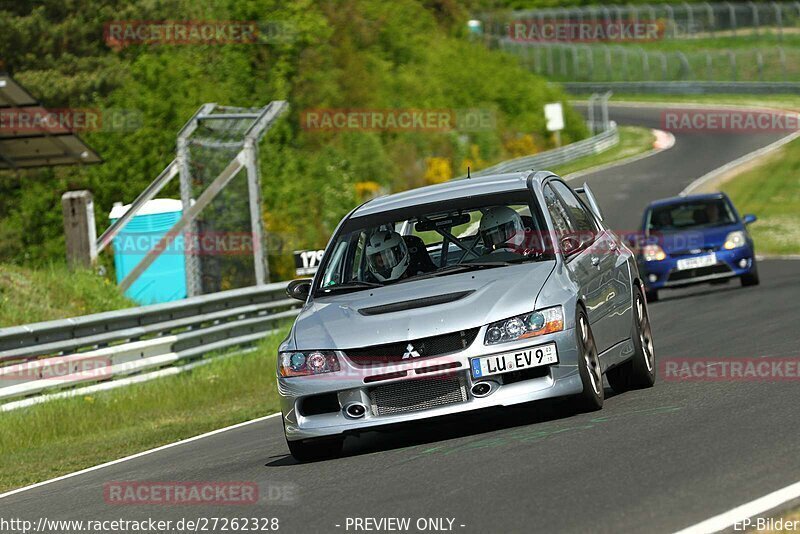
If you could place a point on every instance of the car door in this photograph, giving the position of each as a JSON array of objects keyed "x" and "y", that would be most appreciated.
[
  {"x": 613, "y": 294},
  {"x": 581, "y": 263}
]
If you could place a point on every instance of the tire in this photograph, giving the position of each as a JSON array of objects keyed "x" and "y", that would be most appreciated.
[
  {"x": 310, "y": 450},
  {"x": 592, "y": 396},
  {"x": 652, "y": 295},
  {"x": 751, "y": 278},
  {"x": 640, "y": 370}
]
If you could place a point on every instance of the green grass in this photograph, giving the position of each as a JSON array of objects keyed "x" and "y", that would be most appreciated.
[
  {"x": 633, "y": 140},
  {"x": 30, "y": 295},
  {"x": 772, "y": 192},
  {"x": 66, "y": 435}
]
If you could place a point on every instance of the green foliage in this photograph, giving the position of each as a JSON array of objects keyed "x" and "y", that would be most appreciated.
[
  {"x": 53, "y": 292},
  {"x": 342, "y": 54}
]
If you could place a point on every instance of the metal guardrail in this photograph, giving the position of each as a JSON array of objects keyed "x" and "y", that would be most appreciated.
[
  {"x": 684, "y": 87},
  {"x": 558, "y": 156},
  {"x": 136, "y": 340}
]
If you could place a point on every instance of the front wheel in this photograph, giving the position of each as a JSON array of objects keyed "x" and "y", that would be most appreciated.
[
  {"x": 591, "y": 398},
  {"x": 640, "y": 370},
  {"x": 751, "y": 278},
  {"x": 310, "y": 450}
]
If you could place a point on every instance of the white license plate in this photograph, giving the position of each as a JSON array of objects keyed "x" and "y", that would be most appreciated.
[
  {"x": 698, "y": 261},
  {"x": 514, "y": 360}
]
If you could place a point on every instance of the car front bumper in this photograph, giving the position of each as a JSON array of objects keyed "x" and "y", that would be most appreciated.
[
  {"x": 665, "y": 274},
  {"x": 557, "y": 380}
]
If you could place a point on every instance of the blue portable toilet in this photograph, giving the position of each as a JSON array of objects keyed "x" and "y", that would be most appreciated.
[{"x": 165, "y": 279}]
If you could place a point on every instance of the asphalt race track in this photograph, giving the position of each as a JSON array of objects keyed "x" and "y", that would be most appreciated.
[{"x": 657, "y": 460}]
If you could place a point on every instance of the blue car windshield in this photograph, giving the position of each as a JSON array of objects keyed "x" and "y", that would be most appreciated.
[{"x": 690, "y": 215}]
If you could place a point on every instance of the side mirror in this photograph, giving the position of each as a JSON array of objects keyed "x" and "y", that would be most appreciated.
[
  {"x": 299, "y": 289},
  {"x": 569, "y": 244},
  {"x": 749, "y": 218}
]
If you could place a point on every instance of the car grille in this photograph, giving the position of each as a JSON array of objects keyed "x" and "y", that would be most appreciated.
[
  {"x": 430, "y": 346},
  {"x": 692, "y": 252},
  {"x": 418, "y": 394},
  {"x": 688, "y": 274}
]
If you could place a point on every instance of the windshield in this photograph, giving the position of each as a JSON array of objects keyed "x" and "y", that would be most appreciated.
[
  {"x": 434, "y": 240},
  {"x": 690, "y": 215}
]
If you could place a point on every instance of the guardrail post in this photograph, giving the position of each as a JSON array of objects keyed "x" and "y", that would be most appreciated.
[
  {"x": 782, "y": 59},
  {"x": 732, "y": 12},
  {"x": 760, "y": 65},
  {"x": 645, "y": 63},
  {"x": 778, "y": 19},
  {"x": 604, "y": 109},
  {"x": 592, "y": 100},
  {"x": 754, "y": 11},
  {"x": 711, "y": 22},
  {"x": 689, "y": 19},
  {"x": 79, "y": 230}
]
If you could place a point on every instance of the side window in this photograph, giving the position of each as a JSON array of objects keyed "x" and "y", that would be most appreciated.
[
  {"x": 580, "y": 217},
  {"x": 557, "y": 211}
]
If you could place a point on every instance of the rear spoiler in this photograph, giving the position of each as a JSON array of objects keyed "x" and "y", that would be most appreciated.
[{"x": 592, "y": 201}]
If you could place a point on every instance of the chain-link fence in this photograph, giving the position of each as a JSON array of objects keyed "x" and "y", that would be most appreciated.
[
  {"x": 658, "y": 42},
  {"x": 601, "y": 62},
  {"x": 674, "y": 20}
]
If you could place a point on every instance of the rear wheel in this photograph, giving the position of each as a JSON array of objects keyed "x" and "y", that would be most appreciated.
[
  {"x": 316, "y": 449},
  {"x": 751, "y": 278},
  {"x": 591, "y": 398},
  {"x": 640, "y": 370}
]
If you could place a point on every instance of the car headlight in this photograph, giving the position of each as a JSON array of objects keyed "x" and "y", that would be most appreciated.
[
  {"x": 735, "y": 240},
  {"x": 315, "y": 362},
  {"x": 653, "y": 253},
  {"x": 524, "y": 326}
]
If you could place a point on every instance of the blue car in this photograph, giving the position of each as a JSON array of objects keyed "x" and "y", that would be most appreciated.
[{"x": 692, "y": 240}]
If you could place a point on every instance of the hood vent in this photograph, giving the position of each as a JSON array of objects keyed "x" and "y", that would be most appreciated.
[{"x": 414, "y": 304}]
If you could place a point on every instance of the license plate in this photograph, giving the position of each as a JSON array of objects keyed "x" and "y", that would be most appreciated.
[
  {"x": 698, "y": 261},
  {"x": 505, "y": 362}
]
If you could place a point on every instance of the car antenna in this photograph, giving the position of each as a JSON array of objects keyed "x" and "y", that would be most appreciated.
[{"x": 468, "y": 176}]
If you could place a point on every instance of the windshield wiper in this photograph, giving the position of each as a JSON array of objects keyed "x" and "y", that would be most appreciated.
[
  {"x": 458, "y": 268},
  {"x": 354, "y": 284}
]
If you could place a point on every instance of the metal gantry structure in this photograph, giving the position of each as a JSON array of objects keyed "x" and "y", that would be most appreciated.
[{"x": 249, "y": 125}]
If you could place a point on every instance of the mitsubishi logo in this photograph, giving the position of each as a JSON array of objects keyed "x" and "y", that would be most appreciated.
[{"x": 410, "y": 352}]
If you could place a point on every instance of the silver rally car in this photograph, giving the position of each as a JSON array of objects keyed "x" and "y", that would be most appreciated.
[{"x": 472, "y": 294}]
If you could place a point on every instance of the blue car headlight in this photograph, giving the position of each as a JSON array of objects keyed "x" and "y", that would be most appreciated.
[
  {"x": 734, "y": 240},
  {"x": 525, "y": 326}
]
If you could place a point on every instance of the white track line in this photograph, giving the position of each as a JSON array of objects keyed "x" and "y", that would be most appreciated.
[
  {"x": 139, "y": 454},
  {"x": 745, "y": 511}
]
